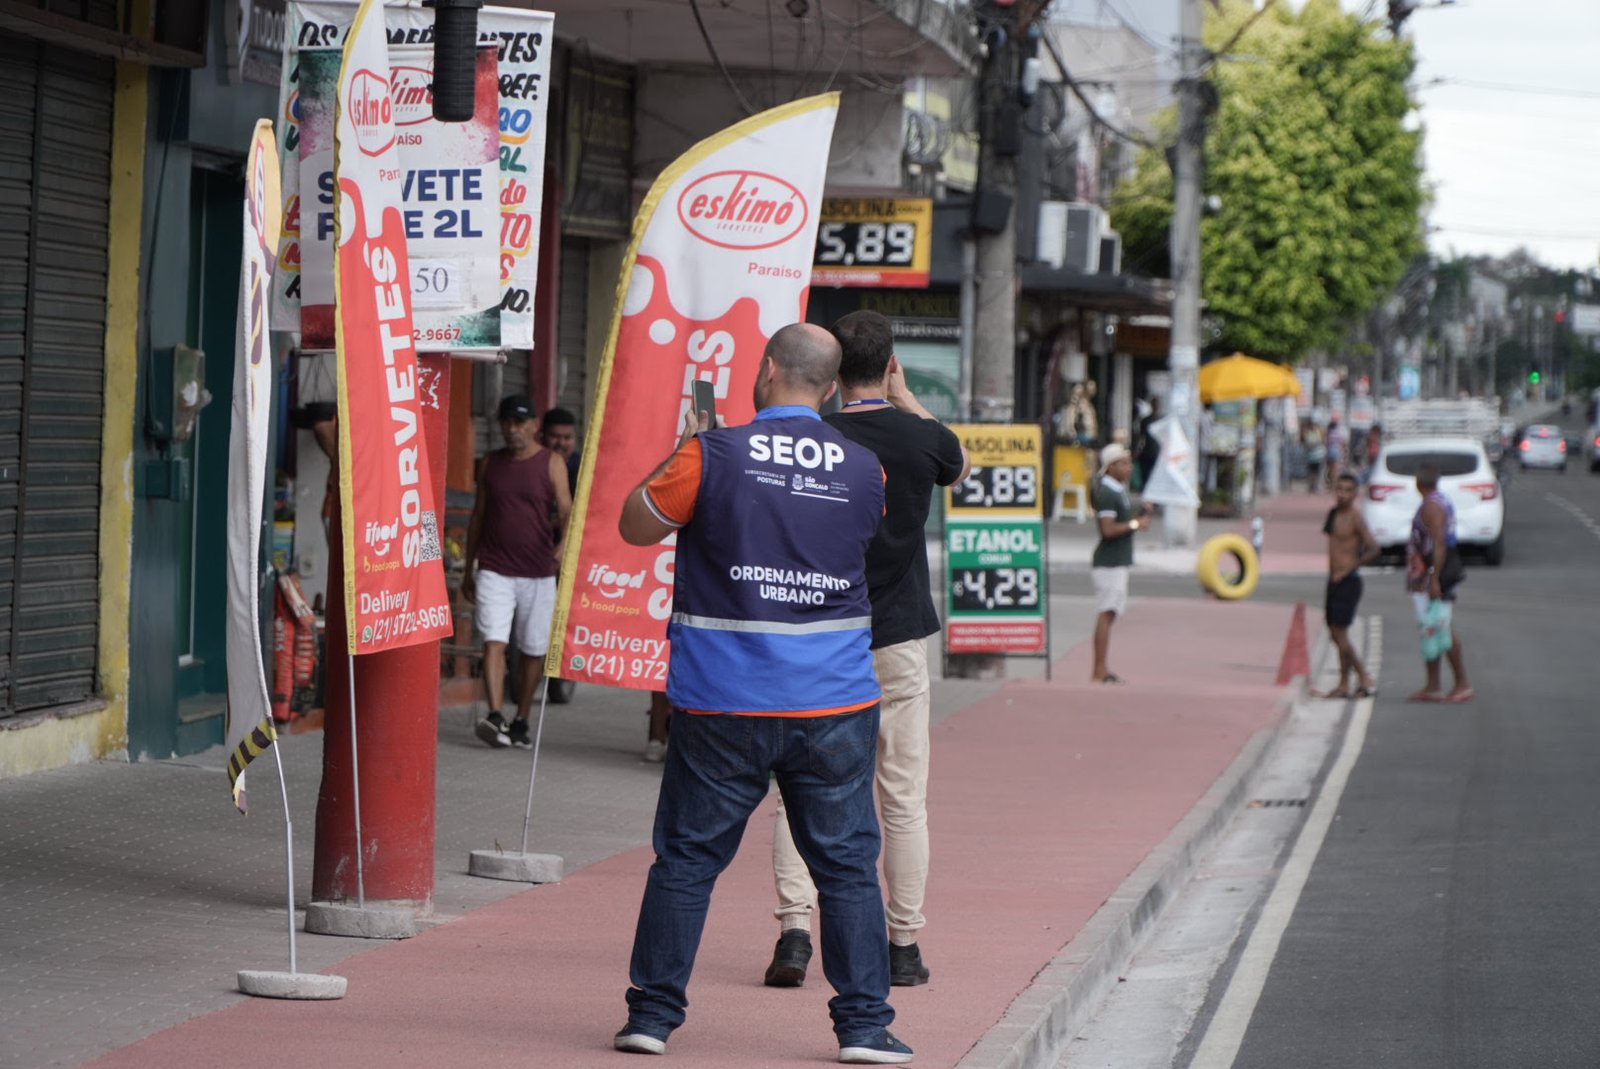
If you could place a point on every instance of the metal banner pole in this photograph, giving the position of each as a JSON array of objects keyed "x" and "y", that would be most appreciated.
[
  {"x": 355, "y": 777},
  {"x": 521, "y": 867},
  {"x": 293, "y": 984}
]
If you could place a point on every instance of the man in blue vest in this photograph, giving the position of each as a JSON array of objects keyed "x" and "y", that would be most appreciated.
[{"x": 771, "y": 676}]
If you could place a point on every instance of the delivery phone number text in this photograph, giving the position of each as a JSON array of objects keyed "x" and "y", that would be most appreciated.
[
  {"x": 616, "y": 666},
  {"x": 404, "y": 623}
]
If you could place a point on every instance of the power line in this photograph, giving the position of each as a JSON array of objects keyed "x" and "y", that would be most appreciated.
[
  {"x": 1514, "y": 232},
  {"x": 1506, "y": 87}
]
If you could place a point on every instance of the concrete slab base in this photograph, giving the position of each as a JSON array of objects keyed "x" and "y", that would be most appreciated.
[
  {"x": 372, "y": 922},
  {"x": 517, "y": 867},
  {"x": 291, "y": 985}
]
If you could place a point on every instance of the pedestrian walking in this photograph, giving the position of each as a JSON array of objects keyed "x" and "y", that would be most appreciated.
[
  {"x": 1113, "y": 555},
  {"x": 1338, "y": 448},
  {"x": 1350, "y": 545},
  {"x": 1433, "y": 571},
  {"x": 917, "y": 453},
  {"x": 514, "y": 546},
  {"x": 558, "y": 432},
  {"x": 771, "y": 677}
]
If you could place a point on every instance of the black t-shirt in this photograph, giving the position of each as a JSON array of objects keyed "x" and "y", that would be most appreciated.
[{"x": 917, "y": 455}]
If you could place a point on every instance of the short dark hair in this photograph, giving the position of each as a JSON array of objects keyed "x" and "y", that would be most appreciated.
[
  {"x": 867, "y": 341},
  {"x": 1348, "y": 477},
  {"x": 558, "y": 417},
  {"x": 1428, "y": 475}
]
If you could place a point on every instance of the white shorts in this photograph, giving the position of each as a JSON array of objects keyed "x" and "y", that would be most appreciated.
[
  {"x": 1110, "y": 589},
  {"x": 504, "y": 599}
]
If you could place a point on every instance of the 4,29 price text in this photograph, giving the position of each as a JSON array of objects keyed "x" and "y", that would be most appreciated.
[{"x": 983, "y": 589}]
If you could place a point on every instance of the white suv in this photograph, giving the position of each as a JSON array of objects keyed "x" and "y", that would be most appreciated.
[{"x": 1465, "y": 476}]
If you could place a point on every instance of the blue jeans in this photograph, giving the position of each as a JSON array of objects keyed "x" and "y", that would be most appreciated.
[{"x": 716, "y": 775}]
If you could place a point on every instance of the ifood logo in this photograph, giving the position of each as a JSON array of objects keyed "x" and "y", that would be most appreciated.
[
  {"x": 613, "y": 584},
  {"x": 742, "y": 210},
  {"x": 411, "y": 89},
  {"x": 371, "y": 112}
]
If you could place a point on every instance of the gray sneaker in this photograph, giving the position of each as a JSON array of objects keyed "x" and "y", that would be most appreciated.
[
  {"x": 492, "y": 730},
  {"x": 636, "y": 1042},
  {"x": 879, "y": 1049}
]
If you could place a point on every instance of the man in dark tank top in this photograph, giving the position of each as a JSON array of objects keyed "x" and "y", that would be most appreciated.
[{"x": 514, "y": 547}]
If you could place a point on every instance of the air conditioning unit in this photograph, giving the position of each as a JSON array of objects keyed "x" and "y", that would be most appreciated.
[
  {"x": 1086, "y": 224},
  {"x": 1050, "y": 240},
  {"x": 1111, "y": 253}
]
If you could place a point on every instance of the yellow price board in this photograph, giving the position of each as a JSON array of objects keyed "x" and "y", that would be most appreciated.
[
  {"x": 874, "y": 241},
  {"x": 1007, "y": 471}
]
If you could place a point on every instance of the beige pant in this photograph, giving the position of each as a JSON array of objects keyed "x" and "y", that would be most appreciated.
[{"x": 902, "y": 783}]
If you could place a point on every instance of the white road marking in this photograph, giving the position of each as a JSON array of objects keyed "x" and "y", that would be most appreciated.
[{"x": 1226, "y": 1031}]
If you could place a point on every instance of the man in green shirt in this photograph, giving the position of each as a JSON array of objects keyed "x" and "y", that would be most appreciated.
[{"x": 1113, "y": 556}]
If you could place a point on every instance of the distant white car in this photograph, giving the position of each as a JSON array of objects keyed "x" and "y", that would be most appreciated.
[
  {"x": 1543, "y": 445},
  {"x": 1465, "y": 476}
]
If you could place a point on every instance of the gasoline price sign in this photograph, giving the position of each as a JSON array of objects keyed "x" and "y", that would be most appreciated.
[
  {"x": 994, "y": 544},
  {"x": 1007, "y": 462},
  {"x": 885, "y": 241}
]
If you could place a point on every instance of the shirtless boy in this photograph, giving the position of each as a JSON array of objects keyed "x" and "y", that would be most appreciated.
[{"x": 1350, "y": 545}]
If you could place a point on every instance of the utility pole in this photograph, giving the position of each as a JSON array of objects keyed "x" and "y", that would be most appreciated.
[
  {"x": 1183, "y": 359},
  {"x": 993, "y": 288}
]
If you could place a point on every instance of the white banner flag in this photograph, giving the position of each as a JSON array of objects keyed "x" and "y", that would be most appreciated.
[
  {"x": 250, "y": 729},
  {"x": 1168, "y": 484}
]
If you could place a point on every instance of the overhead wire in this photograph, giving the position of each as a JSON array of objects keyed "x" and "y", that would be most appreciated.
[{"x": 716, "y": 57}]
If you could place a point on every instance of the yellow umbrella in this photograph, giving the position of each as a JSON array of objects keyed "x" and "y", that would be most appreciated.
[{"x": 1245, "y": 378}]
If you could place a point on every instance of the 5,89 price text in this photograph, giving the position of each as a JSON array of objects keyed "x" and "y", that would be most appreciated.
[{"x": 1002, "y": 486}]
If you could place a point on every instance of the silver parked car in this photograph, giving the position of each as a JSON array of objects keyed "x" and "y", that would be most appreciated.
[{"x": 1543, "y": 446}]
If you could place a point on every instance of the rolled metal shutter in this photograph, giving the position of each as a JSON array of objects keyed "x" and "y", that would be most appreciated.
[
  {"x": 572, "y": 326},
  {"x": 55, "y": 173}
]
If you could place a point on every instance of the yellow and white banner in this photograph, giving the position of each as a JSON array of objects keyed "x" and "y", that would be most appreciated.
[
  {"x": 250, "y": 729},
  {"x": 720, "y": 259}
]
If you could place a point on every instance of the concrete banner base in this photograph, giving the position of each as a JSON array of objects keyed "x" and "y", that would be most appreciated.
[
  {"x": 291, "y": 985},
  {"x": 516, "y": 867},
  {"x": 371, "y": 922}
]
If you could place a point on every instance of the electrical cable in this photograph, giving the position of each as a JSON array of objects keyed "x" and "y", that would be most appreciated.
[
  {"x": 1505, "y": 87},
  {"x": 716, "y": 57},
  {"x": 1077, "y": 91}
]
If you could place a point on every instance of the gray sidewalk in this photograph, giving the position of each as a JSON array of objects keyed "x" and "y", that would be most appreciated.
[{"x": 134, "y": 892}]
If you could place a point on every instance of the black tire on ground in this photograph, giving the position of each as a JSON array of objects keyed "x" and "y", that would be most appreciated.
[{"x": 1495, "y": 552}]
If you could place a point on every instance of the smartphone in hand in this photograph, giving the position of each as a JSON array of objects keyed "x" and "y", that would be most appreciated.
[{"x": 705, "y": 400}]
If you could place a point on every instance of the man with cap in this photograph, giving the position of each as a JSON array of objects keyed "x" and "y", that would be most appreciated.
[
  {"x": 1113, "y": 556},
  {"x": 514, "y": 546}
]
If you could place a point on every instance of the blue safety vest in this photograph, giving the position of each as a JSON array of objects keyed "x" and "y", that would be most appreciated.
[{"x": 770, "y": 610}]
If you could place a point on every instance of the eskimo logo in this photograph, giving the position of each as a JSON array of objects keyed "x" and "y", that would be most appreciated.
[
  {"x": 371, "y": 112},
  {"x": 742, "y": 209},
  {"x": 411, "y": 88}
]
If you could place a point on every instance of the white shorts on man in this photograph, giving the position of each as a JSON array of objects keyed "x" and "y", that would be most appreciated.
[
  {"x": 506, "y": 600},
  {"x": 1110, "y": 589}
]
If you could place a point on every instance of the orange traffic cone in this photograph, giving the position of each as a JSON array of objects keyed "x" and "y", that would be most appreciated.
[{"x": 1296, "y": 656}]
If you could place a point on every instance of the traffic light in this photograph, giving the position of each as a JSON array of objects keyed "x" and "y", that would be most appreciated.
[{"x": 1533, "y": 377}]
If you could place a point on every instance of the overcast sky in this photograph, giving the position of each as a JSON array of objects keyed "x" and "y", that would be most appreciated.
[{"x": 1508, "y": 167}]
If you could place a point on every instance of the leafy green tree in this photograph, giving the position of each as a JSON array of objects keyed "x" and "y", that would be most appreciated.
[{"x": 1319, "y": 181}]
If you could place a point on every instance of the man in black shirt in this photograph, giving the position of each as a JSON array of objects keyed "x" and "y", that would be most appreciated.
[{"x": 917, "y": 454}]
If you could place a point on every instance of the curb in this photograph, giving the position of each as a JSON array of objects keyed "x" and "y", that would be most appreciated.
[{"x": 1067, "y": 992}]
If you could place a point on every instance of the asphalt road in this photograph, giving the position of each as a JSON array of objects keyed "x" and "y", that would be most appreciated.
[{"x": 1449, "y": 920}]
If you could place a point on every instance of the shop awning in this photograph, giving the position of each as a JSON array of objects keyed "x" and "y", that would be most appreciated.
[{"x": 880, "y": 37}]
